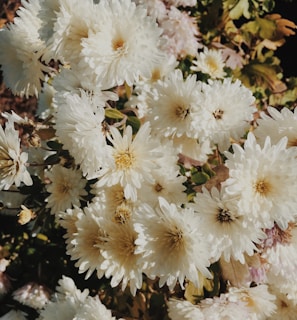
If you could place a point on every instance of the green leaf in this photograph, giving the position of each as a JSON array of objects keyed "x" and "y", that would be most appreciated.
[
  {"x": 113, "y": 114},
  {"x": 266, "y": 28},
  {"x": 134, "y": 122},
  {"x": 54, "y": 145},
  {"x": 200, "y": 177}
]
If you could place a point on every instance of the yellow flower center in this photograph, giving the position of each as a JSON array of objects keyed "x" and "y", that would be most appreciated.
[
  {"x": 218, "y": 114},
  {"x": 118, "y": 44},
  {"x": 122, "y": 214},
  {"x": 64, "y": 187},
  {"x": 212, "y": 64},
  {"x": 224, "y": 215},
  {"x": 262, "y": 187},
  {"x": 174, "y": 239},
  {"x": 124, "y": 160},
  {"x": 181, "y": 111},
  {"x": 158, "y": 187}
]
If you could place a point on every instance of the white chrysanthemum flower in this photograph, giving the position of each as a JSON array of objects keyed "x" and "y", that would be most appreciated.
[
  {"x": 221, "y": 308},
  {"x": 170, "y": 242},
  {"x": 59, "y": 310},
  {"x": 22, "y": 69},
  {"x": 65, "y": 24},
  {"x": 281, "y": 258},
  {"x": 228, "y": 108},
  {"x": 276, "y": 125},
  {"x": 79, "y": 127},
  {"x": 211, "y": 62},
  {"x": 65, "y": 303},
  {"x": 14, "y": 315},
  {"x": 33, "y": 295},
  {"x": 93, "y": 309},
  {"x": 122, "y": 263},
  {"x": 66, "y": 289},
  {"x": 264, "y": 186},
  {"x": 286, "y": 308},
  {"x": 258, "y": 300},
  {"x": 87, "y": 243},
  {"x": 167, "y": 184},
  {"x": 75, "y": 81},
  {"x": 155, "y": 8},
  {"x": 180, "y": 32},
  {"x": 174, "y": 107},
  {"x": 68, "y": 221},
  {"x": 130, "y": 161},
  {"x": 66, "y": 188},
  {"x": 192, "y": 148},
  {"x": 225, "y": 227},
  {"x": 144, "y": 87},
  {"x": 125, "y": 49},
  {"x": 183, "y": 310},
  {"x": 13, "y": 162}
]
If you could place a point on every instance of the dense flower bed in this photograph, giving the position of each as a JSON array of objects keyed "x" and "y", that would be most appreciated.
[{"x": 157, "y": 178}]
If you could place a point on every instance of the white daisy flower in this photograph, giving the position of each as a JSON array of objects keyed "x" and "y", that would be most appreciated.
[
  {"x": 33, "y": 295},
  {"x": 87, "y": 243},
  {"x": 122, "y": 263},
  {"x": 192, "y": 148},
  {"x": 68, "y": 221},
  {"x": 65, "y": 303},
  {"x": 221, "y": 307},
  {"x": 170, "y": 243},
  {"x": 286, "y": 308},
  {"x": 130, "y": 161},
  {"x": 276, "y": 125},
  {"x": 264, "y": 186},
  {"x": 225, "y": 227},
  {"x": 174, "y": 108},
  {"x": 144, "y": 87},
  {"x": 180, "y": 32},
  {"x": 66, "y": 289},
  {"x": 211, "y": 62},
  {"x": 167, "y": 184},
  {"x": 13, "y": 162},
  {"x": 23, "y": 72},
  {"x": 281, "y": 258},
  {"x": 79, "y": 127},
  {"x": 183, "y": 310},
  {"x": 228, "y": 108},
  {"x": 93, "y": 309},
  {"x": 66, "y": 188},
  {"x": 258, "y": 300},
  {"x": 65, "y": 23},
  {"x": 125, "y": 49}
]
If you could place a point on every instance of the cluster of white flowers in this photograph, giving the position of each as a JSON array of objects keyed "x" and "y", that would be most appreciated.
[{"x": 119, "y": 191}]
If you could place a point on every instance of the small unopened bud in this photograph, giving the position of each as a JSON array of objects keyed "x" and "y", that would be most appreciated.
[
  {"x": 26, "y": 215},
  {"x": 34, "y": 140}
]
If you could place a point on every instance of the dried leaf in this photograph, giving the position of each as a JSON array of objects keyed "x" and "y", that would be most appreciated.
[
  {"x": 221, "y": 174},
  {"x": 261, "y": 74},
  {"x": 284, "y": 27},
  {"x": 235, "y": 272}
]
